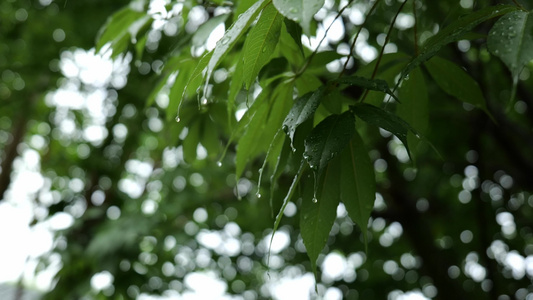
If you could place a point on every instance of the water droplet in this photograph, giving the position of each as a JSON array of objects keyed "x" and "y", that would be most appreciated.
[
  {"x": 178, "y": 119},
  {"x": 258, "y": 195},
  {"x": 293, "y": 10},
  {"x": 315, "y": 200},
  {"x": 264, "y": 50},
  {"x": 219, "y": 164},
  {"x": 225, "y": 40},
  {"x": 204, "y": 101}
]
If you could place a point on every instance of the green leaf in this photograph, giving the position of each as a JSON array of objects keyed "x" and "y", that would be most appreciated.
[
  {"x": 248, "y": 143},
  {"x": 415, "y": 107},
  {"x": 386, "y": 120},
  {"x": 321, "y": 59},
  {"x": 456, "y": 82},
  {"x": 327, "y": 139},
  {"x": 261, "y": 42},
  {"x": 511, "y": 39},
  {"x": 317, "y": 218},
  {"x": 202, "y": 34},
  {"x": 231, "y": 36},
  {"x": 122, "y": 28},
  {"x": 306, "y": 83},
  {"x": 357, "y": 183},
  {"x": 454, "y": 32},
  {"x": 366, "y": 83},
  {"x": 175, "y": 96},
  {"x": 301, "y": 11},
  {"x": 263, "y": 125},
  {"x": 303, "y": 108},
  {"x": 197, "y": 76},
  {"x": 296, "y": 33}
]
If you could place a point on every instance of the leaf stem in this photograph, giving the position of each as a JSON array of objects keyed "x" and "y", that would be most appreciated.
[
  {"x": 383, "y": 47},
  {"x": 302, "y": 70},
  {"x": 352, "y": 47},
  {"x": 519, "y": 5}
]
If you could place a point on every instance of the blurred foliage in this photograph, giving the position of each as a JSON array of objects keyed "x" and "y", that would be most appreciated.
[{"x": 156, "y": 202}]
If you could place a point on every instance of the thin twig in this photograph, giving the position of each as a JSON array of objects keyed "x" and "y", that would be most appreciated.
[
  {"x": 322, "y": 40},
  {"x": 352, "y": 47},
  {"x": 384, "y": 45}
]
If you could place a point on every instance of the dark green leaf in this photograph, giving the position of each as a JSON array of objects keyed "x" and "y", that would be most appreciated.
[
  {"x": 415, "y": 107},
  {"x": 296, "y": 33},
  {"x": 357, "y": 183},
  {"x": 366, "y": 83},
  {"x": 386, "y": 120},
  {"x": 456, "y": 82},
  {"x": 318, "y": 215},
  {"x": 511, "y": 39},
  {"x": 327, "y": 139},
  {"x": 303, "y": 108},
  {"x": 455, "y": 32}
]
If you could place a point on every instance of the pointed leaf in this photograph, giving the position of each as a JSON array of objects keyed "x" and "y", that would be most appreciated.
[
  {"x": 456, "y": 82},
  {"x": 303, "y": 108},
  {"x": 454, "y": 32},
  {"x": 511, "y": 39},
  {"x": 261, "y": 42},
  {"x": 327, "y": 139},
  {"x": 316, "y": 219},
  {"x": 264, "y": 124},
  {"x": 231, "y": 36},
  {"x": 366, "y": 83},
  {"x": 301, "y": 11},
  {"x": 176, "y": 91},
  {"x": 204, "y": 31},
  {"x": 122, "y": 28},
  {"x": 296, "y": 33},
  {"x": 357, "y": 183},
  {"x": 386, "y": 120},
  {"x": 414, "y": 108}
]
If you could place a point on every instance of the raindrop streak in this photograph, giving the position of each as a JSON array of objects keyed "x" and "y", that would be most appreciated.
[{"x": 315, "y": 175}]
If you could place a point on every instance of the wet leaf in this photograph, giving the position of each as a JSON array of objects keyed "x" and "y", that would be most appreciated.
[
  {"x": 386, "y": 120},
  {"x": 366, "y": 83},
  {"x": 511, "y": 39},
  {"x": 304, "y": 107},
  {"x": 261, "y": 42},
  {"x": 300, "y": 11},
  {"x": 357, "y": 183},
  {"x": 231, "y": 36},
  {"x": 454, "y": 32},
  {"x": 202, "y": 34},
  {"x": 327, "y": 139},
  {"x": 317, "y": 218}
]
